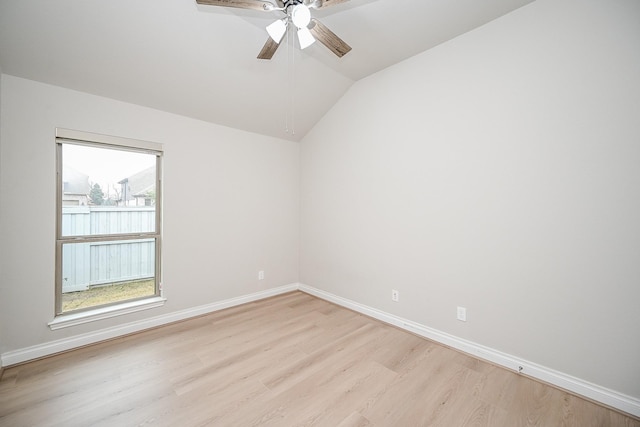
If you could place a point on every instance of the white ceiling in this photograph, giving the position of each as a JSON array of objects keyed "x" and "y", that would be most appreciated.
[{"x": 200, "y": 61}]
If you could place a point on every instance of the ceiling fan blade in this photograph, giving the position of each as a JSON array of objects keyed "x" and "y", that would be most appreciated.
[
  {"x": 328, "y": 3},
  {"x": 328, "y": 38},
  {"x": 268, "y": 49},
  {"x": 241, "y": 4}
]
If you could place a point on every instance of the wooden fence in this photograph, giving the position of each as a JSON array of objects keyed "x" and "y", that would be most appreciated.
[{"x": 99, "y": 263}]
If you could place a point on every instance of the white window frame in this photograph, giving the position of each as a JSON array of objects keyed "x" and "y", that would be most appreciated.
[{"x": 71, "y": 318}]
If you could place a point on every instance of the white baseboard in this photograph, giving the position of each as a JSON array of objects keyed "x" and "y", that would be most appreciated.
[
  {"x": 611, "y": 398},
  {"x": 53, "y": 347}
]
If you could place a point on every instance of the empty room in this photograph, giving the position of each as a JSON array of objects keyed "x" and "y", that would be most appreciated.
[{"x": 320, "y": 212}]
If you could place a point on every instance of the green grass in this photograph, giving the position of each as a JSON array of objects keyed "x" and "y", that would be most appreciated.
[{"x": 100, "y": 295}]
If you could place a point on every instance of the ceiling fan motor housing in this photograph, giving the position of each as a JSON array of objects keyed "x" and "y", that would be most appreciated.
[{"x": 288, "y": 3}]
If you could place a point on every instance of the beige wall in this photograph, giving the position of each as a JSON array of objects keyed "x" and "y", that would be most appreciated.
[
  {"x": 231, "y": 206},
  {"x": 499, "y": 171}
]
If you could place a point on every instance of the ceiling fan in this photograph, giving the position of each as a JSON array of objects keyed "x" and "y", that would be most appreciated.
[{"x": 297, "y": 14}]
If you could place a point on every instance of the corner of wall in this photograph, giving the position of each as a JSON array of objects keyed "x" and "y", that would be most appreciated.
[{"x": 1, "y": 203}]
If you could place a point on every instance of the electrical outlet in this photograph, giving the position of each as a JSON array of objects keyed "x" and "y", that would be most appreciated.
[
  {"x": 395, "y": 295},
  {"x": 462, "y": 314},
  {"x": 261, "y": 275}
]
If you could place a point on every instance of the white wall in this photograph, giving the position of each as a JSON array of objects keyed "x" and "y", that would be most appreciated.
[
  {"x": 231, "y": 206},
  {"x": 499, "y": 171},
  {"x": 2, "y": 297}
]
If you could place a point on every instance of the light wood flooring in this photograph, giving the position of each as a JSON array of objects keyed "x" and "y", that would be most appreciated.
[{"x": 291, "y": 360}]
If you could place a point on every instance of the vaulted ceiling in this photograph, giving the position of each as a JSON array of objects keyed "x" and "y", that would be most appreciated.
[{"x": 200, "y": 61}]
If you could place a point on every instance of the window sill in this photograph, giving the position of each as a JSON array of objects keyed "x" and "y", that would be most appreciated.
[{"x": 74, "y": 319}]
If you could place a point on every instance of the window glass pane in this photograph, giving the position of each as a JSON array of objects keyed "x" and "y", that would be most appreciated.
[
  {"x": 99, "y": 273},
  {"x": 107, "y": 191}
]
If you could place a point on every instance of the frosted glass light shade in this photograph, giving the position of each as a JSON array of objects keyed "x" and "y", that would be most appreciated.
[
  {"x": 301, "y": 16},
  {"x": 305, "y": 38},
  {"x": 276, "y": 30}
]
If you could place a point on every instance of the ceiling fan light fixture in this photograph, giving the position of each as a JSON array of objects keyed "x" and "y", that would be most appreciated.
[
  {"x": 301, "y": 16},
  {"x": 277, "y": 29},
  {"x": 305, "y": 37},
  {"x": 297, "y": 13}
]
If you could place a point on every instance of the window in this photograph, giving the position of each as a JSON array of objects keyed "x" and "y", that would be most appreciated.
[{"x": 108, "y": 236}]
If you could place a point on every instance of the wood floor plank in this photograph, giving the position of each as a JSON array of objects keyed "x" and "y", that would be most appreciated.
[
  {"x": 497, "y": 387},
  {"x": 325, "y": 359},
  {"x": 355, "y": 419},
  {"x": 290, "y": 360}
]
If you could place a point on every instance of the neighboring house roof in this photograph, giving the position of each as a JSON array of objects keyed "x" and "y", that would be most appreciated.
[
  {"x": 141, "y": 183},
  {"x": 75, "y": 182}
]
